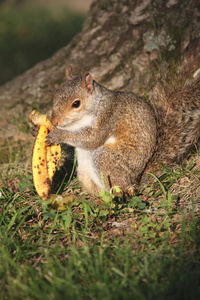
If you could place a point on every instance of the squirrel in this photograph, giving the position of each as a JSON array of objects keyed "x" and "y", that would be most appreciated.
[{"x": 120, "y": 136}]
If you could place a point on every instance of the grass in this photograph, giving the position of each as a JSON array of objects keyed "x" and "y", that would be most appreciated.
[
  {"x": 144, "y": 248},
  {"x": 30, "y": 33}
]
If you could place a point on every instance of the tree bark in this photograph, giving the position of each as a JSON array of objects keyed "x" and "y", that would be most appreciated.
[{"x": 121, "y": 43}]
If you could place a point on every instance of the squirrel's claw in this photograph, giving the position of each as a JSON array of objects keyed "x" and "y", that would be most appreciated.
[
  {"x": 49, "y": 140},
  {"x": 53, "y": 138}
]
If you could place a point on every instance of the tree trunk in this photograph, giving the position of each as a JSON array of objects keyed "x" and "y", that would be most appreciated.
[{"x": 121, "y": 43}]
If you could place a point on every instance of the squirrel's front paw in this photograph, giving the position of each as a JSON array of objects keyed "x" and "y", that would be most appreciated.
[
  {"x": 54, "y": 137},
  {"x": 34, "y": 130}
]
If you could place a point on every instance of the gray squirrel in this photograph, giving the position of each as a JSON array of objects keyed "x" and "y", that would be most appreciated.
[{"x": 119, "y": 136}]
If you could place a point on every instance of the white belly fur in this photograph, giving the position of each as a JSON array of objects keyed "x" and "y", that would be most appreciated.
[{"x": 86, "y": 170}]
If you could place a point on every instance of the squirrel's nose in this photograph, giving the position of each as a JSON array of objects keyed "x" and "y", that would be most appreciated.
[{"x": 54, "y": 120}]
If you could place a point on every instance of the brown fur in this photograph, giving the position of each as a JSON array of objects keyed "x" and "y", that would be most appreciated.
[
  {"x": 176, "y": 101},
  {"x": 119, "y": 135}
]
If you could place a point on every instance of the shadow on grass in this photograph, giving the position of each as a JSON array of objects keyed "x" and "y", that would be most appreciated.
[{"x": 64, "y": 175}]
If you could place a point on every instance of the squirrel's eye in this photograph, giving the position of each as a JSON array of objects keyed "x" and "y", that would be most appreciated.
[{"x": 76, "y": 104}]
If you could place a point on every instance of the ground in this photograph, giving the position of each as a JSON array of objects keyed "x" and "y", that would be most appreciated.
[{"x": 144, "y": 247}]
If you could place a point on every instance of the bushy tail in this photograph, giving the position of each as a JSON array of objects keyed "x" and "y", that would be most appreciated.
[{"x": 176, "y": 100}]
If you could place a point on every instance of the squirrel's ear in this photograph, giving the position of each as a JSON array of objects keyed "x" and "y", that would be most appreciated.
[
  {"x": 87, "y": 83},
  {"x": 68, "y": 73}
]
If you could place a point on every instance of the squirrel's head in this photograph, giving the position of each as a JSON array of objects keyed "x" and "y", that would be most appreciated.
[{"x": 74, "y": 102}]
